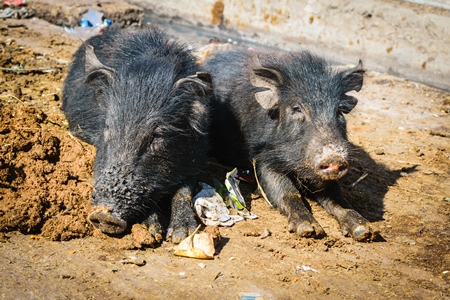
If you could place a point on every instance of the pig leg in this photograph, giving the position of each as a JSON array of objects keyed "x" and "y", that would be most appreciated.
[
  {"x": 154, "y": 226},
  {"x": 283, "y": 195},
  {"x": 108, "y": 222},
  {"x": 182, "y": 220},
  {"x": 351, "y": 222}
]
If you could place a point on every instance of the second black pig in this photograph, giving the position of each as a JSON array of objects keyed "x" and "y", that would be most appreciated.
[
  {"x": 141, "y": 100},
  {"x": 285, "y": 112}
]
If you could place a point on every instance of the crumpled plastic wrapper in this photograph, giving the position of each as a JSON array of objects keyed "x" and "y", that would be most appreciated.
[
  {"x": 234, "y": 198},
  {"x": 211, "y": 209},
  {"x": 92, "y": 23}
]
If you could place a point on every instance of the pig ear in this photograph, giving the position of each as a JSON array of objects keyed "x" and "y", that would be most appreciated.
[
  {"x": 199, "y": 84},
  {"x": 352, "y": 79},
  {"x": 267, "y": 79},
  {"x": 347, "y": 104},
  {"x": 94, "y": 68}
]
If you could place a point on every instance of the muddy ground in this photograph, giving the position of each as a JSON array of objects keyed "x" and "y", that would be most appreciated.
[{"x": 401, "y": 133}]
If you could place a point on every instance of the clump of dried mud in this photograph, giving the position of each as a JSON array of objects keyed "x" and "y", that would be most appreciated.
[{"x": 40, "y": 162}]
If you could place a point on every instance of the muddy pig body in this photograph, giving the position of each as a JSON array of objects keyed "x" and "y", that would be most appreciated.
[
  {"x": 139, "y": 97},
  {"x": 285, "y": 112}
]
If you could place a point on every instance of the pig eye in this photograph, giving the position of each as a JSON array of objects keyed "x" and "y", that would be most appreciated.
[
  {"x": 297, "y": 108},
  {"x": 151, "y": 143},
  {"x": 157, "y": 140},
  {"x": 298, "y": 112},
  {"x": 145, "y": 147}
]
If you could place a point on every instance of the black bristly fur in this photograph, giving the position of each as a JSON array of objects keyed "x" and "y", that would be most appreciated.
[
  {"x": 285, "y": 112},
  {"x": 150, "y": 132}
]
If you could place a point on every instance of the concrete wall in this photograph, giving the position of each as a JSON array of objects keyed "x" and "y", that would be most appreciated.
[
  {"x": 409, "y": 40},
  {"x": 436, "y": 3}
]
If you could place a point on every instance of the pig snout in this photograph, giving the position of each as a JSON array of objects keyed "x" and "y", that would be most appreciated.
[
  {"x": 332, "y": 168},
  {"x": 118, "y": 193},
  {"x": 103, "y": 219},
  {"x": 331, "y": 163}
]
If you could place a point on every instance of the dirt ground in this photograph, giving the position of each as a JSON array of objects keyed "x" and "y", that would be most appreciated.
[{"x": 401, "y": 133}]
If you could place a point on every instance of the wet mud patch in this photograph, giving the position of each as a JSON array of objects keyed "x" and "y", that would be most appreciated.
[
  {"x": 41, "y": 190},
  {"x": 44, "y": 171}
]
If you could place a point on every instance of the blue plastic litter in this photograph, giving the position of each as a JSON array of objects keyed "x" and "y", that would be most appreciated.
[
  {"x": 93, "y": 17},
  {"x": 85, "y": 23}
]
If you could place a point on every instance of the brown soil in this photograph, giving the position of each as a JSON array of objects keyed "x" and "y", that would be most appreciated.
[{"x": 401, "y": 133}]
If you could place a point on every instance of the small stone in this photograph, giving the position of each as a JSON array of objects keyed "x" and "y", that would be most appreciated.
[
  {"x": 379, "y": 151},
  {"x": 265, "y": 233},
  {"x": 134, "y": 260}
]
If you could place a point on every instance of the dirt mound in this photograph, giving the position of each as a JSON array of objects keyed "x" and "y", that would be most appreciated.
[
  {"x": 40, "y": 186},
  {"x": 40, "y": 162}
]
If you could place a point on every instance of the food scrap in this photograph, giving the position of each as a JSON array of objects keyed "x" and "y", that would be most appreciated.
[{"x": 197, "y": 245}]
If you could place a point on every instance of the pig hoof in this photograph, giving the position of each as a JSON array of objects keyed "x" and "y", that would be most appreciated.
[
  {"x": 307, "y": 229},
  {"x": 181, "y": 229},
  {"x": 154, "y": 227},
  {"x": 103, "y": 219},
  {"x": 157, "y": 232},
  {"x": 364, "y": 234},
  {"x": 180, "y": 234}
]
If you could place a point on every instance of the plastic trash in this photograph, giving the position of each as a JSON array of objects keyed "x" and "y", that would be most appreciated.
[
  {"x": 85, "y": 23},
  {"x": 92, "y": 23},
  {"x": 15, "y": 13},
  {"x": 250, "y": 296},
  {"x": 211, "y": 209},
  {"x": 235, "y": 199},
  {"x": 14, "y": 3},
  {"x": 92, "y": 17},
  {"x": 305, "y": 268},
  {"x": 245, "y": 175}
]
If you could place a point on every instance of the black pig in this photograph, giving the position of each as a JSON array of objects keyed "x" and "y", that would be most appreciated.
[
  {"x": 285, "y": 112},
  {"x": 140, "y": 98}
]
